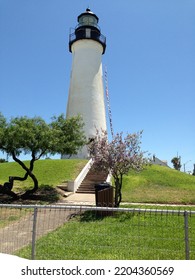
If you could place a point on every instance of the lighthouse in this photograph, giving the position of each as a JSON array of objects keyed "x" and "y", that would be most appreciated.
[{"x": 86, "y": 91}]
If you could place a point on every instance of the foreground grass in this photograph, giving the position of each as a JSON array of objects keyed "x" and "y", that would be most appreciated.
[
  {"x": 158, "y": 184},
  {"x": 122, "y": 236}
]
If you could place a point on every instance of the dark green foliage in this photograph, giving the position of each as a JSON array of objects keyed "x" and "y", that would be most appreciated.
[
  {"x": 176, "y": 161},
  {"x": 68, "y": 135},
  {"x": 35, "y": 137}
]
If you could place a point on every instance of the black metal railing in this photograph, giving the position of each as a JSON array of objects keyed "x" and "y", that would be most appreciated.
[{"x": 81, "y": 33}]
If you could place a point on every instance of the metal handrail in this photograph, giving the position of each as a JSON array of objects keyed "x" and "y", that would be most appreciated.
[{"x": 99, "y": 37}]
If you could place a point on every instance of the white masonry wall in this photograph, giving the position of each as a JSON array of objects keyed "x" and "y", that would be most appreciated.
[{"x": 86, "y": 93}]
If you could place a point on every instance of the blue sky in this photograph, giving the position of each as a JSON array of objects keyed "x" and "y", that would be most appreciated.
[{"x": 150, "y": 58}]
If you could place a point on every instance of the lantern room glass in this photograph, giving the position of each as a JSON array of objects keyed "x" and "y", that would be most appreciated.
[{"x": 87, "y": 20}]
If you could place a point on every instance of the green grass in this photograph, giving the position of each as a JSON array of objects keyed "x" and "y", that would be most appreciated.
[
  {"x": 122, "y": 236},
  {"x": 155, "y": 184},
  {"x": 158, "y": 184},
  {"x": 49, "y": 172}
]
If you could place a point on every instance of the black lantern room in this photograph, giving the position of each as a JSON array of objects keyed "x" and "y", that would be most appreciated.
[{"x": 87, "y": 28}]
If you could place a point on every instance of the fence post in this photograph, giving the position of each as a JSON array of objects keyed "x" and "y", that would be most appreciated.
[
  {"x": 34, "y": 232},
  {"x": 187, "y": 247}
]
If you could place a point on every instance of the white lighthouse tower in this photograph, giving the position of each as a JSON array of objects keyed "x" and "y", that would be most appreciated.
[{"x": 86, "y": 92}]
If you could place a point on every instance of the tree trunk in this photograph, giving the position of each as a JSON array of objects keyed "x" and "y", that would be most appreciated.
[
  {"x": 35, "y": 188},
  {"x": 28, "y": 173},
  {"x": 5, "y": 190},
  {"x": 118, "y": 193},
  {"x": 7, "y": 187}
]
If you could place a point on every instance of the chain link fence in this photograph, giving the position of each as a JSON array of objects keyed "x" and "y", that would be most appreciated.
[{"x": 81, "y": 232}]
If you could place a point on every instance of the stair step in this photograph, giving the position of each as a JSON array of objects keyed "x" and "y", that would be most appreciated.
[
  {"x": 89, "y": 182},
  {"x": 86, "y": 188},
  {"x": 85, "y": 191}
]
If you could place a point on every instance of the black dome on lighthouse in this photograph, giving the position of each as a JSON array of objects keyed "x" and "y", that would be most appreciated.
[{"x": 88, "y": 12}]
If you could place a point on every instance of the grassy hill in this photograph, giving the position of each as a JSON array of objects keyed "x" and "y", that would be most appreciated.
[
  {"x": 155, "y": 184},
  {"x": 158, "y": 184},
  {"x": 49, "y": 172}
]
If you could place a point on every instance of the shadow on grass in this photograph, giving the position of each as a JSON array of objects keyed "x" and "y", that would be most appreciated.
[
  {"x": 90, "y": 216},
  {"x": 93, "y": 216},
  {"x": 44, "y": 195}
]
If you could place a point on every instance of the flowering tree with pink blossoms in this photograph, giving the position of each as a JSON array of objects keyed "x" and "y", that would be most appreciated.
[{"x": 118, "y": 157}]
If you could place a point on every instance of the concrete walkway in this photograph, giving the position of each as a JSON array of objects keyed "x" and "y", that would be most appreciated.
[
  {"x": 78, "y": 199},
  {"x": 19, "y": 234},
  {"x": 89, "y": 200}
]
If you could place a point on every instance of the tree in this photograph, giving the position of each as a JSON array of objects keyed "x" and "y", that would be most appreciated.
[
  {"x": 193, "y": 173},
  {"x": 35, "y": 137},
  {"x": 176, "y": 161},
  {"x": 117, "y": 157},
  {"x": 68, "y": 135}
]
